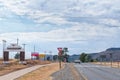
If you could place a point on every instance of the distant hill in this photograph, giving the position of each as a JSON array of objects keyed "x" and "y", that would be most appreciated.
[
  {"x": 112, "y": 49},
  {"x": 73, "y": 57},
  {"x": 109, "y": 54}
]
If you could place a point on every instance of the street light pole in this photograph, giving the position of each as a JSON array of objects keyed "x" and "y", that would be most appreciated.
[
  {"x": 51, "y": 54},
  {"x": 4, "y": 44}
]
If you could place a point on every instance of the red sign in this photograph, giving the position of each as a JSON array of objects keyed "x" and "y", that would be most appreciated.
[
  {"x": 34, "y": 54},
  {"x": 59, "y": 49}
]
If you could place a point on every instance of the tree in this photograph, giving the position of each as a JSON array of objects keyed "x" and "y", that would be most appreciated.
[
  {"x": 65, "y": 55},
  {"x": 55, "y": 57},
  {"x": 48, "y": 58},
  {"x": 65, "y": 49},
  {"x": 83, "y": 57},
  {"x": 17, "y": 56},
  {"x": 88, "y": 58}
]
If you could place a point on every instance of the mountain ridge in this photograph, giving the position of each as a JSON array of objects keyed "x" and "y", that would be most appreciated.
[{"x": 115, "y": 52}]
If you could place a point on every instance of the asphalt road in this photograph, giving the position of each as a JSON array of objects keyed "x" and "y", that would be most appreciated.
[{"x": 97, "y": 72}]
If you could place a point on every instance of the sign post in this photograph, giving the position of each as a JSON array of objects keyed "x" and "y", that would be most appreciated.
[{"x": 60, "y": 55}]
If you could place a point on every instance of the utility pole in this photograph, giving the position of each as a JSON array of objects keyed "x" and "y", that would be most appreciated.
[
  {"x": 51, "y": 54},
  {"x": 24, "y": 46},
  {"x": 45, "y": 54},
  {"x": 34, "y": 48},
  {"x": 17, "y": 41}
]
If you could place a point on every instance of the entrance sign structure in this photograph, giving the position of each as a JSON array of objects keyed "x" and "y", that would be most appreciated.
[{"x": 13, "y": 48}]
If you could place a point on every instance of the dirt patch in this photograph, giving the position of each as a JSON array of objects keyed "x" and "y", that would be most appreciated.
[{"x": 42, "y": 73}]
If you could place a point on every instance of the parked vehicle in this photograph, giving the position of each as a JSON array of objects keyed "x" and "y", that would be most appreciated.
[{"x": 77, "y": 61}]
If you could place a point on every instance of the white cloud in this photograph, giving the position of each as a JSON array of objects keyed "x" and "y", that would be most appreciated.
[
  {"x": 45, "y": 11},
  {"x": 93, "y": 8},
  {"x": 86, "y": 21},
  {"x": 58, "y": 14},
  {"x": 111, "y": 22},
  {"x": 81, "y": 32},
  {"x": 15, "y": 6},
  {"x": 1, "y": 19},
  {"x": 22, "y": 8}
]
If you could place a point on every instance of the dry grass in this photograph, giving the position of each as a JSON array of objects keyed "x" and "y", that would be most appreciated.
[
  {"x": 113, "y": 64},
  {"x": 14, "y": 65},
  {"x": 42, "y": 73},
  {"x": 8, "y": 68}
]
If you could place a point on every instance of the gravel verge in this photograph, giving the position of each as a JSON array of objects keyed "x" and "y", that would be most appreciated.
[{"x": 67, "y": 73}]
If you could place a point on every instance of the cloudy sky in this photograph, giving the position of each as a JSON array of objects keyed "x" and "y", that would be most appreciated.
[{"x": 81, "y": 25}]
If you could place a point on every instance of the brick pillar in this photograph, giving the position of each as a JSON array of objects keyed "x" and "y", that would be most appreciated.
[
  {"x": 22, "y": 56},
  {"x": 6, "y": 56}
]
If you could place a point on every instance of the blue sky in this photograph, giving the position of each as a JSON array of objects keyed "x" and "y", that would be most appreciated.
[{"x": 81, "y": 25}]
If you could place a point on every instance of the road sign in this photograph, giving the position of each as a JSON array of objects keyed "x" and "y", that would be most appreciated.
[
  {"x": 60, "y": 55},
  {"x": 59, "y": 49}
]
